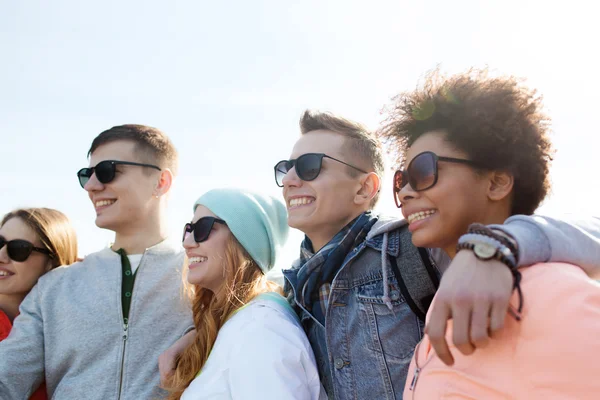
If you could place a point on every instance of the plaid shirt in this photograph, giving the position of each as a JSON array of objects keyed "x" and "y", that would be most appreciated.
[{"x": 318, "y": 270}]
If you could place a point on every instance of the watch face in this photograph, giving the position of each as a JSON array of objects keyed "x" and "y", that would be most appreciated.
[{"x": 484, "y": 251}]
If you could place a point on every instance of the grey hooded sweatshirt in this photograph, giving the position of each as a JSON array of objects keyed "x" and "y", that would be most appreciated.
[{"x": 70, "y": 330}]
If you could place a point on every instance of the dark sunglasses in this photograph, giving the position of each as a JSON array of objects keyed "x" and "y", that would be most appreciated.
[
  {"x": 20, "y": 250},
  {"x": 201, "y": 228},
  {"x": 308, "y": 167},
  {"x": 422, "y": 173},
  {"x": 105, "y": 171}
]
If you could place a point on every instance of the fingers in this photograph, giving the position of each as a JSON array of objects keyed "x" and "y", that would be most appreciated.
[
  {"x": 166, "y": 367},
  {"x": 436, "y": 330},
  {"x": 461, "y": 327},
  {"x": 480, "y": 320},
  {"x": 498, "y": 314}
]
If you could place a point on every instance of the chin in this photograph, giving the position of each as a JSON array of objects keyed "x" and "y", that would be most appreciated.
[
  {"x": 102, "y": 223},
  {"x": 296, "y": 222},
  {"x": 423, "y": 238},
  {"x": 107, "y": 223}
]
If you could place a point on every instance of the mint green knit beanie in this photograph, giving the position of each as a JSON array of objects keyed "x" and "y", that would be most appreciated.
[{"x": 257, "y": 221}]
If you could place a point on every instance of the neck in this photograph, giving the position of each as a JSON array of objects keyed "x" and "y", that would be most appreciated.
[
  {"x": 138, "y": 240},
  {"x": 10, "y": 304},
  {"x": 320, "y": 238}
]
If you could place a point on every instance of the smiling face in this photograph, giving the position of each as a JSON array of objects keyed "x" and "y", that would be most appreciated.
[
  {"x": 207, "y": 259},
  {"x": 17, "y": 278},
  {"x": 438, "y": 216},
  {"x": 322, "y": 207},
  {"x": 126, "y": 203}
]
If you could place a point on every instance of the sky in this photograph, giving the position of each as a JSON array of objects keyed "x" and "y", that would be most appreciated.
[{"x": 228, "y": 81}]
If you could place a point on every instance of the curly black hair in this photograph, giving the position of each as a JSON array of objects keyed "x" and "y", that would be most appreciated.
[{"x": 497, "y": 121}]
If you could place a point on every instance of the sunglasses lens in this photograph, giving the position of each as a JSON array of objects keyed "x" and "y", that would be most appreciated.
[
  {"x": 84, "y": 175},
  {"x": 19, "y": 250},
  {"x": 308, "y": 166},
  {"x": 422, "y": 172},
  {"x": 202, "y": 229},
  {"x": 399, "y": 183},
  {"x": 105, "y": 171},
  {"x": 281, "y": 169}
]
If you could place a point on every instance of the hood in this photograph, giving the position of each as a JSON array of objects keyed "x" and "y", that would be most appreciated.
[{"x": 385, "y": 224}]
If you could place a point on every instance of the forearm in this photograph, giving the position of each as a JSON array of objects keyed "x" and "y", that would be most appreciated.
[
  {"x": 545, "y": 239},
  {"x": 22, "y": 353}
]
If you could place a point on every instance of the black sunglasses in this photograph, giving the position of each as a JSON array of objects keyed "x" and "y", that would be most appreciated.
[
  {"x": 308, "y": 167},
  {"x": 20, "y": 250},
  {"x": 422, "y": 173},
  {"x": 105, "y": 171},
  {"x": 201, "y": 228}
]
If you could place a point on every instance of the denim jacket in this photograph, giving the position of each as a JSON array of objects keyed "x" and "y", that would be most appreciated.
[{"x": 364, "y": 349}]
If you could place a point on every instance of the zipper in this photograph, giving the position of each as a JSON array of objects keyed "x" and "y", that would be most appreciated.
[
  {"x": 125, "y": 335},
  {"x": 126, "y": 330}
]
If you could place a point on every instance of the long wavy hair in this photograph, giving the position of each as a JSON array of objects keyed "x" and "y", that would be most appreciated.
[{"x": 243, "y": 280}]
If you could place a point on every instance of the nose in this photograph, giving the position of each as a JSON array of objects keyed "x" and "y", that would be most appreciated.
[
  {"x": 189, "y": 242},
  {"x": 93, "y": 184},
  {"x": 407, "y": 193},
  {"x": 291, "y": 179},
  {"x": 4, "y": 258}
]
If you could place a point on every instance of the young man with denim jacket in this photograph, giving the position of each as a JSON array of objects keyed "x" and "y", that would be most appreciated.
[
  {"x": 95, "y": 329},
  {"x": 361, "y": 328}
]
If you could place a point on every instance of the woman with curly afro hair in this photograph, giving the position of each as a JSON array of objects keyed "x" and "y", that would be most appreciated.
[{"x": 475, "y": 150}]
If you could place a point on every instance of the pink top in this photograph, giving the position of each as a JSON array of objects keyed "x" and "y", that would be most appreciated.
[{"x": 553, "y": 353}]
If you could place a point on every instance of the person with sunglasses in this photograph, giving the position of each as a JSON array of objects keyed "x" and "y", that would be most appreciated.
[
  {"x": 361, "y": 287},
  {"x": 33, "y": 241},
  {"x": 477, "y": 151},
  {"x": 248, "y": 342},
  {"x": 95, "y": 329}
]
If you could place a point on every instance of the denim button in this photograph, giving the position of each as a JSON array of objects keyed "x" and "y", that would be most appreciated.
[{"x": 339, "y": 363}]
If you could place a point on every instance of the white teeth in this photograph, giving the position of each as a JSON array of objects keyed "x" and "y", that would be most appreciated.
[
  {"x": 301, "y": 201},
  {"x": 4, "y": 273},
  {"x": 194, "y": 260},
  {"x": 419, "y": 216},
  {"x": 103, "y": 203}
]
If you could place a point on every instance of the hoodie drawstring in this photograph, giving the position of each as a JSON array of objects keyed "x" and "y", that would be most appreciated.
[{"x": 384, "y": 270}]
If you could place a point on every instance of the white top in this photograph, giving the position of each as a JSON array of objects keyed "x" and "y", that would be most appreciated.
[
  {"x": 134, "y": 261},
  {"x": 261, "y": 353}
]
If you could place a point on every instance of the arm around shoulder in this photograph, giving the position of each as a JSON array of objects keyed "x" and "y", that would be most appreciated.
[{"x": 545, "y": 239}]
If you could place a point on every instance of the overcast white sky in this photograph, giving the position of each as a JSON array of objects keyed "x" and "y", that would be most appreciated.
[{"x": 228, "y": 81}]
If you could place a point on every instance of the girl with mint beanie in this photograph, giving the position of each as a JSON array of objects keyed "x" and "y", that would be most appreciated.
[{"x": 248, "y": 342}]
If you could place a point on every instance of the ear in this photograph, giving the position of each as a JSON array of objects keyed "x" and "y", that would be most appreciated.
[
  {"x": 501, "y": 185},
  {"x": 369, "y": 187},
  {"x": 164, "y": 183}
]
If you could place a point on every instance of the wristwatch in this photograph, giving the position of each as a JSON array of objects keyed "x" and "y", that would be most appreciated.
[{"x": 485, "y": 250}]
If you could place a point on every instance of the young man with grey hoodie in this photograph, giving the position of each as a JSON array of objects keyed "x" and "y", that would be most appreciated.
[
  {"x": 361, "y": 288},
  {"x": 95, "y": 329}
]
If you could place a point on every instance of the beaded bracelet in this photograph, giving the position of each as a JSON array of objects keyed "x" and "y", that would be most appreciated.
[{"x": 476, "y": 233}]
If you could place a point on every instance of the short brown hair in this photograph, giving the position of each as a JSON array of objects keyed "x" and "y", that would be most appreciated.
[
  {"x": 497, "y": 121},
  {"x": 361, "y": 143},
  {"x": 151, "y": 143},
  {"x": 54, "y": 230}
]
